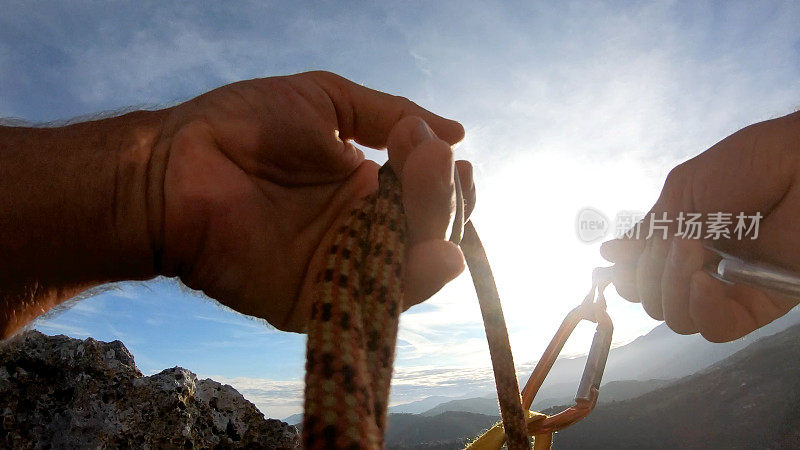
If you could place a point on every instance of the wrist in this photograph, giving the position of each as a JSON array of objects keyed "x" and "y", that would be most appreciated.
[
  {"x": 73, "y": 201},
  {"x": 140, "y": 160},
  {"x": 73, "y": 211}
]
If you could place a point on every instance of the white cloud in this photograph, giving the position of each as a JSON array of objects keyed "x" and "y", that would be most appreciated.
[
  {"x": 150, "y": 64},
  {"x": 282, "y": 398},
  {"x": 52, "y": 328},
  {"x": 276, "y": 399},
  {"x": 585, "y": 105},
  {"x": 566, "y": 106},
  {"x": 238, "y": 324}
]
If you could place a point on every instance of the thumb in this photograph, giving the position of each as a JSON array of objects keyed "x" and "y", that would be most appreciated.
[
  {"x": 369, "y": 116},
  {"x": 424, "y": 164}
]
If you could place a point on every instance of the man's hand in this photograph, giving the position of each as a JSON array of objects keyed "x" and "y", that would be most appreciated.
[
  {"x": 236, "y": 192},
  {"x": 754, "y": 170},
  {"x": 256, "y": 175}
]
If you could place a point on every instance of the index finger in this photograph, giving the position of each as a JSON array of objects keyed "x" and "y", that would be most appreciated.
[{"x": 367, "y": 115}]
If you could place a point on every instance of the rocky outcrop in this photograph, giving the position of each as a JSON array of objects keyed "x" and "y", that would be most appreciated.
[{"x": 59, "y": 392}]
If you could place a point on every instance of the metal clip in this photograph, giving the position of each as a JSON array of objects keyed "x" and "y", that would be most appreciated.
[
  {"x": 592, "y": 309},
  {"x": 732, "y": 269}
]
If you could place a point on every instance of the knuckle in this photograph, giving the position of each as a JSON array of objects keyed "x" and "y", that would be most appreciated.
[
  {"x": 437, "y": 151},
  {"x": 677, "y": 175},
  {"x": 761, "y": 129},
  {"x": 282, "y": 87},
  {"x": 442, "y": 148},
  {"x": 401, "y": 99},
  {"x": 407, "y": 107},
  {"x": 321, "y": 75},
  {"x": 678, "y": 188},
  {"x": 275, "y": 82}
]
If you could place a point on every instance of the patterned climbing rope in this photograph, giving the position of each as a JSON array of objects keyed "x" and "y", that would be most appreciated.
[
  {"x": 353, "y": 327},
  {"x": 354, "y": 320}
]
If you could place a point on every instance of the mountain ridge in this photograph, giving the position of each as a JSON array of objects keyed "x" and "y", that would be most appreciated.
[
  {"x": 749, "y": 400},
  {"x": 612, "y": 391},
  {"x": 660, "y": 354}
]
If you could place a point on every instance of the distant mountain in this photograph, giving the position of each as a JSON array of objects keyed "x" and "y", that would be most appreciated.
[
  {"x": 657, "y": 356},
  {"x": 417, "y": 407},
  {"x": 612, "y": 391},
  {"x": 644, "y": 364},
  {"x": 617, "y": 391},
  {"x": 478, "y": 405},
  {"x": 448, "y": 430},
  {"x": 750, "y": 400},
  {"x": 451, "y": 424},
  {"x": 420, "y": 405},
  {"x": 294, "y": 419}
]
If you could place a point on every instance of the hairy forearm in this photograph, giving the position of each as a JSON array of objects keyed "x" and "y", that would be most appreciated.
[{"x": 73, "y": 211}]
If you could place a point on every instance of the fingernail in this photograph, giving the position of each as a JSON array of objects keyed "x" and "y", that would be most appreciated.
[{"x": 422, "y": 132}]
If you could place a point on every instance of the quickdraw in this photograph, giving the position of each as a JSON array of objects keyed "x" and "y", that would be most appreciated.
[{"x": 592, "y": 309}]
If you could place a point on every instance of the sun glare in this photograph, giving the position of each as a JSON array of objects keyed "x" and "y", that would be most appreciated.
[{"x": 525, "y": 215}]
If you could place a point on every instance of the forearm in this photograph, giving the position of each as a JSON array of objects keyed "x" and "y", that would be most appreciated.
[{"x": 73, "y": 211}]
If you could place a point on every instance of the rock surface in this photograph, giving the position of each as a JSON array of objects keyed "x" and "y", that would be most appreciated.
[{"x": 59, "y": 392}]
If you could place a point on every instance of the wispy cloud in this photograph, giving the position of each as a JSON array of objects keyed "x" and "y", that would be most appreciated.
[
  {"x": 585, "y": 105},
  {"x": 415, "y": 383},
  {"x": 52, "y": 328},
  {"x": 281, "y": 398},
  {"x": 247, "y": 324},
  {"x": 566, "y": 105}
]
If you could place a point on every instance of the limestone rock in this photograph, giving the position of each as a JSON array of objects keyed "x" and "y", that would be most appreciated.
[{"x": 59, "y": 392}]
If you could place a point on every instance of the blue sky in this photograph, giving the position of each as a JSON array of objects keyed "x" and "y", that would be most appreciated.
[{"x": 566, "y": 105}]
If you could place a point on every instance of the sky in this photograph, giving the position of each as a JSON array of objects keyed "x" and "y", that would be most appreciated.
[{"x": 566, "y": 105}]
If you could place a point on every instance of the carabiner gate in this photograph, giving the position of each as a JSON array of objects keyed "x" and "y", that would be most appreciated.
[{"x": 589, "y": 387}]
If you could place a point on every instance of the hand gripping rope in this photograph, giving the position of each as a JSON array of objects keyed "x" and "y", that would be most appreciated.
[{"x": 353, "y": 330}]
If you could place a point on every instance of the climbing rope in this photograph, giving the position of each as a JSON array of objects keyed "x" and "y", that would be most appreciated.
[
  {"x": 353, "y": 326},
  {"x": 353, "y": 330},
  {"x": 505, "y": 374}
]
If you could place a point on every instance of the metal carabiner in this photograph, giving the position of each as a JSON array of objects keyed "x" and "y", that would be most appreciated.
[{"x": 589, "y": 388}]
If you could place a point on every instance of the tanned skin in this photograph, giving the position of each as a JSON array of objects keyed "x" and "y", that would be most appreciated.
[
  {"x": 756, "y": 169},
  {"x": 237, "y": 191}
]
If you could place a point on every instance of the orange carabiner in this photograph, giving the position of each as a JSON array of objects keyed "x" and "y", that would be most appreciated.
[{"x": 589, "y": 388}]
